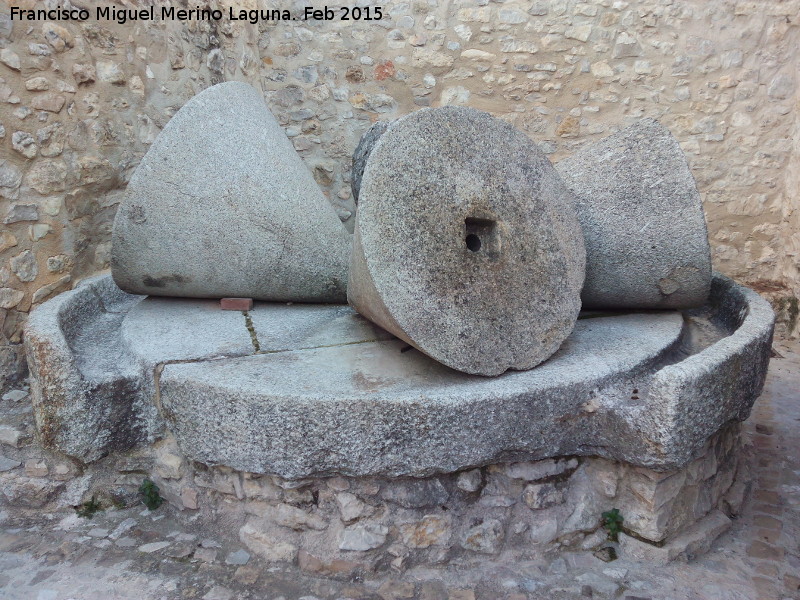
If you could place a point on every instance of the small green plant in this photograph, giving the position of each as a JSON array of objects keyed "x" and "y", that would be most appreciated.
[
  {"x": 88, "y": 509},
  {"x": 149, "y": 491},
  {"x": 612, "y": 523}
]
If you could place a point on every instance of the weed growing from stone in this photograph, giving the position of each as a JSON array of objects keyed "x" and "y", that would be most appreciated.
[
  {"x": 612, "y": 523},
  {"x": 150, "y": 496},
  {"x": 88, "y": 509}
]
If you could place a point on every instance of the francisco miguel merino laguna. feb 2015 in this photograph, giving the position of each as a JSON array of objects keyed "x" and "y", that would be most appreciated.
[{"x": 170, "y": 13}]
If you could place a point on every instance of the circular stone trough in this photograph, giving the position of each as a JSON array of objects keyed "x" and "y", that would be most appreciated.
[{"x": 313, "y": 390}]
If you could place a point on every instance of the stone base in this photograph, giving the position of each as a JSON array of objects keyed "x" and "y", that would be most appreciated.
[
  {"x": 336, "y": 526},
  {"x": 316, "y": 390},
  {"x": 320, "y": 440}
]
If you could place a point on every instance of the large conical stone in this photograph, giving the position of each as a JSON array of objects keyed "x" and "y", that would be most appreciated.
[
  {"x": 642, "y": 218},
  {"x": 222, "y": 205},
  {"x": 467, "y": 245}
]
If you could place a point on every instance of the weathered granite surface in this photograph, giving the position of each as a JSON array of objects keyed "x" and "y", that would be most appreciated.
[
  {"x": 161, "y": 330},
  {"x": 86, "y": 391},
  {"x": 369, "y": 408},
  {"x": 466, "y": 243},
  {"x": 222, "y": 205},
  {"x": 641, "y": 216},
  {"x": 327, "y": 392},
  {"x": 362, "y": 152},
  {"x": 642, "y": 219},
  {"x": 706, "y": 390}
]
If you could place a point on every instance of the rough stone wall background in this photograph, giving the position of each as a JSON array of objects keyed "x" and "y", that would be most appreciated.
[{"x": 81, "y": 102}]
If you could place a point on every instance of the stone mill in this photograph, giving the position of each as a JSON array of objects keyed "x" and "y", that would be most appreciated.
[{"x": 526, "y": 345}]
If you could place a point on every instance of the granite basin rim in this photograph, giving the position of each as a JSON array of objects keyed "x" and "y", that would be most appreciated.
[{"x": 404, "y": 415}]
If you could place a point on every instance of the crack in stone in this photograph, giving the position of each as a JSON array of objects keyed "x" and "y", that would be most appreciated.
[
  {"x": 602, "y": 315},
  {"x": 641, "y": 538},
  {"x": 248, "y": 321},
  {"x": 159, "y": 369},
  {"x": 322, "y": 346},
  {"x": 157, "y": 385},
  {"x": 179, "y": 190}
]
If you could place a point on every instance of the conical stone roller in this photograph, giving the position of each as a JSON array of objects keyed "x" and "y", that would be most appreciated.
[
  {"x": 466, "y": 243},
  {"x": 221, "y": 205},
  {"x": 642, "y": 218}
]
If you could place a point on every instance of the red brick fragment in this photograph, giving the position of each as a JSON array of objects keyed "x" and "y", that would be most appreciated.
[{"x": 236, "y": 303}]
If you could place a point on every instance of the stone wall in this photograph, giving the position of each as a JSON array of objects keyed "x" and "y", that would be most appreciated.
[
  {"x": 345, "y": 526},
  {"x": 81, "y": 102}
]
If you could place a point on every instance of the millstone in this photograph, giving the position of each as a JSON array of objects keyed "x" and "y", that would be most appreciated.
[
  {"x": 222, "y": 205},
  {"x": 642, "y": 219},
  {"x": 466, "y": 245},
  {"x": 641, "y": 215}
]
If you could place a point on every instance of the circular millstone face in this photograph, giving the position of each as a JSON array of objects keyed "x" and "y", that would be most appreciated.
[{"x": 467, "y": 245}]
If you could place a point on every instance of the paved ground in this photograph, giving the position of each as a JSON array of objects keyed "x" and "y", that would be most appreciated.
[{"x": 135, "y": 554}]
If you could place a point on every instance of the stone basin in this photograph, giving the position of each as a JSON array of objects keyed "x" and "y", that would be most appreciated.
[{"x": 309, "y": 390}]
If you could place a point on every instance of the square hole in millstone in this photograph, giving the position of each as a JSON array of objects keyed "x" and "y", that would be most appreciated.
[{"x": 481, "y": 236}]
